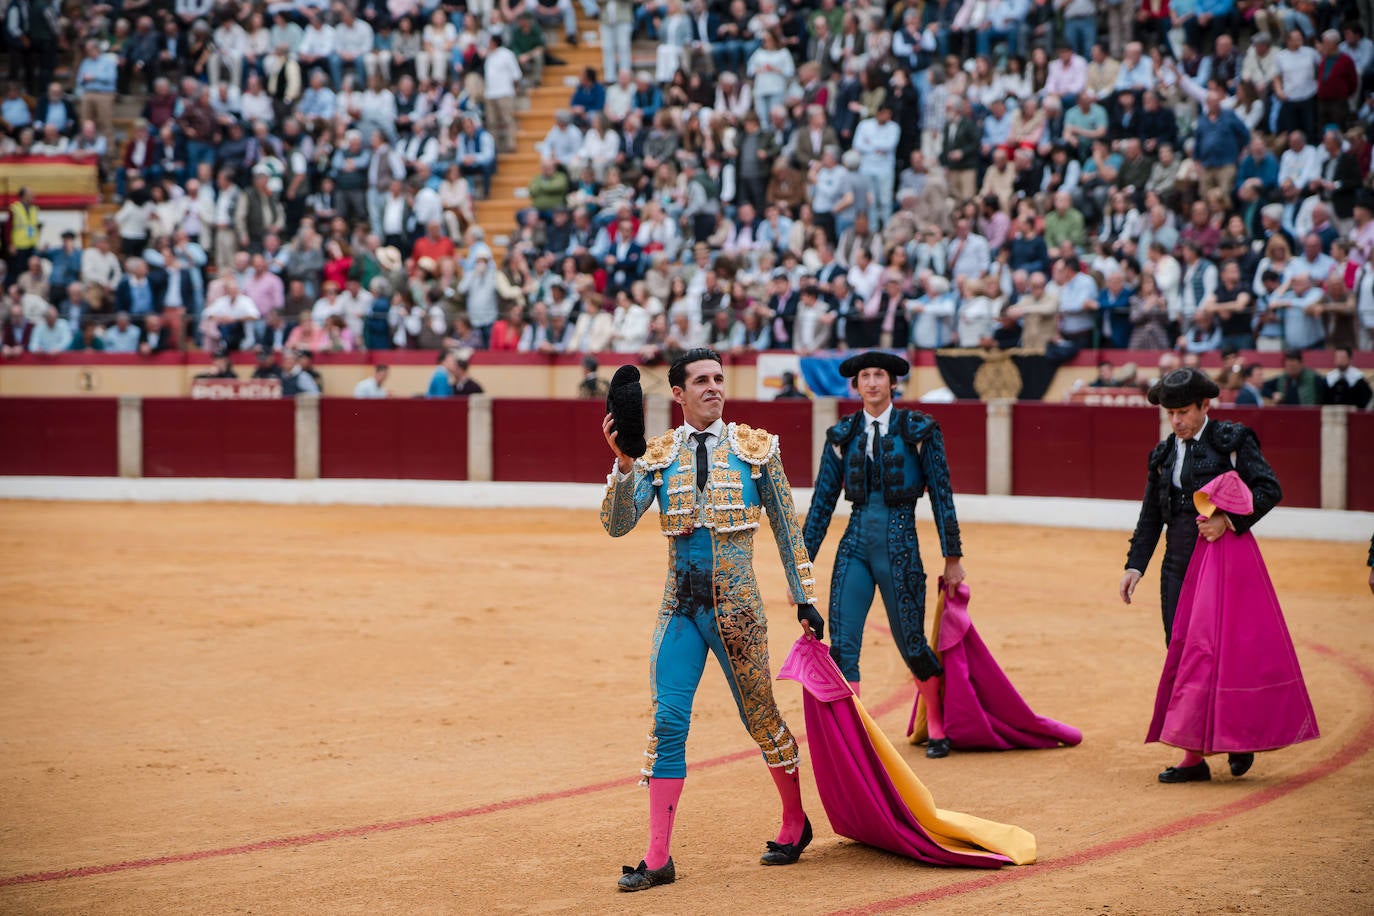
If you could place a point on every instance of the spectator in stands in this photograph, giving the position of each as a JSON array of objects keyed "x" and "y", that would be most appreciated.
[
  {"x": 1297, "y": 385},
  {"x": 34, "y": 280},
  {"x": 451, "y": 378},
  {"x": 295, "y": 378},
  {"x": 137, "y": 294},
  {"x": 15, "y": 333},
  {"x": 1345, "y": 384},
  {"x": 122, "y": 336},
  {"x": 475, "y": 154},
  {"x": 479, "y": 287},
  {"x": 1300, "y": 313},
  {"x": 1077, "y": 292},
  {"x": 501, "y": 72},
  {"x": 1252, "y": 380},
  {"x": 374, "y": 386},
  {"x": 154, "y": 338},
  {"x": 51, "y": 335},
  {"x": 227, "y": 320},
  {"x": 96, "y": 83},
  {"x": 90, "y": 338}
]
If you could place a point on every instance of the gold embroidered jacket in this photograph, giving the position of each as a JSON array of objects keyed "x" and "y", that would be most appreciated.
[{"x": 746, "y": 477}]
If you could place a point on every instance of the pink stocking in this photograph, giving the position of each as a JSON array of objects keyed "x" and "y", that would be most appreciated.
[
  {"x": 789, "y": 789},
  {"x": 1190, "y": 759},
  {"x": 854, "y": 686},
  {"x": 929, "y": 689},
  {"x": 663, "y": 796}
]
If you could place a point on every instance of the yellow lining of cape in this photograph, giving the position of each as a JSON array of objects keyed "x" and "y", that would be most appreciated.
[{"x": 951, "y": 829}]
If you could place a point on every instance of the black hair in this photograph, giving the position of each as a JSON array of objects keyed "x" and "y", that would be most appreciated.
[{"x": 677, "y": 372}]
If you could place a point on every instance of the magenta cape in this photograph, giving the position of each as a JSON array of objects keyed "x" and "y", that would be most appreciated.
[
  {"x": 1231, "y": 679},
  {"x": 869, "y": 792},
  {"x": 981, "y": 707}
]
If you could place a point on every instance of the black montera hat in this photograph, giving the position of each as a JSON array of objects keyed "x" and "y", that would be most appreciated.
[
  {"x": 625, "y": 404},
  {"x": 1181, "y": 388},
  {"x": 894, "y": 365}
]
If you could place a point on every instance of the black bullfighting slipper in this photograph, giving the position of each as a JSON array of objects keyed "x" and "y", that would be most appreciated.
[
  {"x": 1198, "y": 772},
  {"x": 787, "y": 853},
  {"x": 642, "y": 877},
  {"x": 937, "y": 748},
  {"x": 1240, "y": 763}
]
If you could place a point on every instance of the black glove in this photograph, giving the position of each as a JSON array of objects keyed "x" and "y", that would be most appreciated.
[{"x": 808, "y": 615}]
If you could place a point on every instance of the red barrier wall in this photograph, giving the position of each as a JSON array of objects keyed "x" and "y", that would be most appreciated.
[
  {"x": 1089, "y": 452},
  {"x": 417, "y": 439},
  {"x": 964, "y": 427},
  {"x": 1291, "y": 440},
  {"x": 789, "y": 420},
  {"x": 535, "y": 439},
  {"x": 185, "y": 438},
  {"x": 60, "y": 436},
  {"x": 1359, "y": 462}
]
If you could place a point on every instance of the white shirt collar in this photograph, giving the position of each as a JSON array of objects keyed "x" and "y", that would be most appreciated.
[
  {"x": 716, "y": 430},
  {"x": 884, "y": 419}
]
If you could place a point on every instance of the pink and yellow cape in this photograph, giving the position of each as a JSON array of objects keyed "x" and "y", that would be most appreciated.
[
  {"x": 870, "y": 794},
  {"x": 982, "y": 708}
]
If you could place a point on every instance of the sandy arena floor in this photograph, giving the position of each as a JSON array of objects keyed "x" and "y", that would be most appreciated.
[{"x": 326, "y": 710}]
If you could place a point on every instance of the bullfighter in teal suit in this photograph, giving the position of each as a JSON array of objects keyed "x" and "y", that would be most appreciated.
[{"x": 711, "y": 480}]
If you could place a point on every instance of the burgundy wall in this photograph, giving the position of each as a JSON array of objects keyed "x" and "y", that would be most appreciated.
[
  {"x": 1290, "y": 438},
  {"x": 535, "y": 439},
  {"x": 1091, "y": 452},
  {"x": 1359, "y": 458},
  {"x": 789, "y": 420},
  {"x": 964, "y": 427},
  {"x": 1058, "y": 450},
  {"x": 186, "y": 438},
  {"x": 417, "y": 439},
  {"x": 66, "y": 437}
]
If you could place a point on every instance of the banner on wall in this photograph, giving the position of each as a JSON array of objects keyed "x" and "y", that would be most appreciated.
[
  {"x": 235, "y": 389},
  {"x": 821, "y": 375},
  {"x": 987, "y": 374}
]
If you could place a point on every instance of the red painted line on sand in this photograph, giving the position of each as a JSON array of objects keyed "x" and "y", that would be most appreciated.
[
  {"x": 342, "y": 833},
  {"x": 1348, "y": 754}
]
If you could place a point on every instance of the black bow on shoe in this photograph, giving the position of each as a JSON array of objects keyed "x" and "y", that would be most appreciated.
[
  {"x": 787, "y": 853},
  {"x": 641, "y": 877}
]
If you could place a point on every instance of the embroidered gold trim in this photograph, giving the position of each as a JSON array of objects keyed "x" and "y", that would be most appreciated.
[
  {"x": 755, "y": 446},
  {"x": 661, "y": 452}
]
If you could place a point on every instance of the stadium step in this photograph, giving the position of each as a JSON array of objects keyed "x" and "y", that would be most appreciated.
[{"x": 496, "y": 214}]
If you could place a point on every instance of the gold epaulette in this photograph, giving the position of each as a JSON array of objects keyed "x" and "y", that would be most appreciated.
[
  {"x": 755, "y": 446},
  {"x": 660, "y": 453}
]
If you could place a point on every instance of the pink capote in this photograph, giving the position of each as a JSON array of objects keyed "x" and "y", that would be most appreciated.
[
  {"x": 981, "y": 707},
  {"x": 870, "y": 794},
  {"x": 1231, "y": 680}
]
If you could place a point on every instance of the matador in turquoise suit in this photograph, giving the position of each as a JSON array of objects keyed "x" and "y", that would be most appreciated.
[
  {"x": 711, "y": 481},
  {"x": 884, "y": 458}
]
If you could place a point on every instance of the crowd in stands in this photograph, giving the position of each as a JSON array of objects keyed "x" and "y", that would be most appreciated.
[{"x": 1048, "y": 174}]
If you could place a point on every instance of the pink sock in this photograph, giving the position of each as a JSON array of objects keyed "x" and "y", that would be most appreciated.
[
  {"x": 854, "y": 686},
  {"x": 789, "y": 789},
  {"x": 663, "y": 796},
  {"x": 1190, "y": 759},
  {"x": 929, "y": 689}
]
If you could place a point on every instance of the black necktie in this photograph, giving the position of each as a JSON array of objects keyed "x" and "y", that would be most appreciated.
[
  {"x": 874, "y": 468},
  {"x": 1185, "y": 477},
  {"x": 703, "y": 458}
]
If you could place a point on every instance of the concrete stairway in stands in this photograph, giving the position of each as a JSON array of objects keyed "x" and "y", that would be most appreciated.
[{"x": 534, "y": 117}]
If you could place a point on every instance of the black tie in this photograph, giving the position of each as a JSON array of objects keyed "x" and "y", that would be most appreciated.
[
  {"x": 875, "y": 476},
  {"x": 1185, "y": 477},
  {"x": 703, "y": 458}
]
